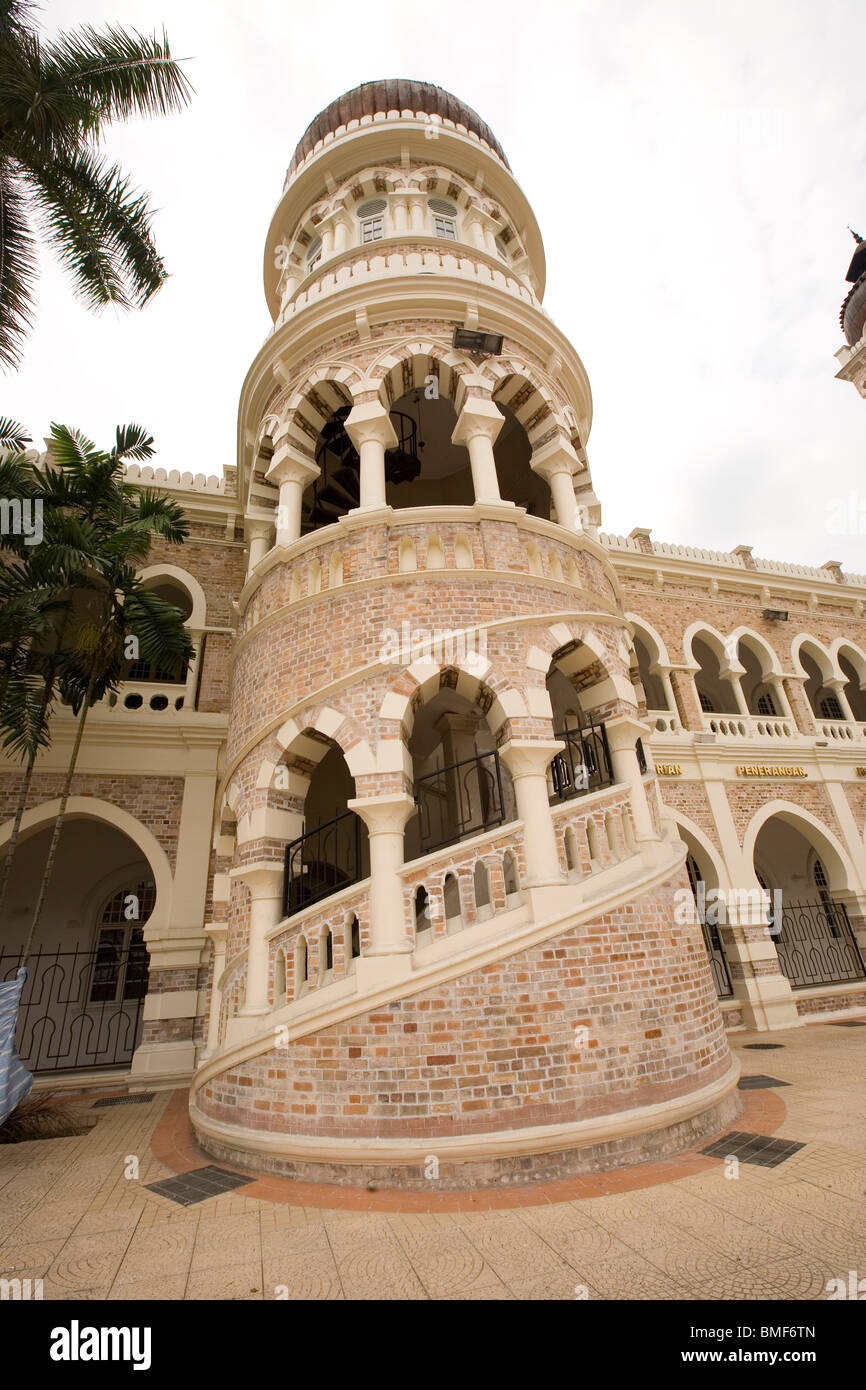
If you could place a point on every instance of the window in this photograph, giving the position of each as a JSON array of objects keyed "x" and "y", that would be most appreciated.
[
  {"x": 830, "y": 707},
  {"x": 444, "y": 218},
  {"x": 502, "y": 249},
  {"x": 706, "y": 702},
  {"x": 765, "y": 704},
  {"x": 121, "y": 965},
  {"x": 822, "y": 883},
  {"x": 372, "y": 218},
  {"x": 314, "y": 253}
]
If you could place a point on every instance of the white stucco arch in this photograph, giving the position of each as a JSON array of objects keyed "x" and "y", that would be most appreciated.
[
  {"x": 94, "y": 808},
  {"x": 198, "y": 616}
]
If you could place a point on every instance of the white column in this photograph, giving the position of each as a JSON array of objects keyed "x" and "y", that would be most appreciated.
[
  {"x": 527, "y": 761},
  {"x": 259, "y": 533},
  {"x": 370, "y": 430},
  {"x": 292, "y": 474},
  {"x": 622, "y": 735},
  {"x": 839, "y": 687},
  {"x": 417, "y": 213},
  {"x": 217, "y": 932},
  {"x": 265, "y": 882},
  {"x": 385, "y": 818},
  {"x": 478, "y": 426},
  {"x": 557, "y": 464},
  {"x": 733, "y": 680}
]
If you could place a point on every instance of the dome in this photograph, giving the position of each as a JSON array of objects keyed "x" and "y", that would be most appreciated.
[
  {"x": 853, "y": 314},
  {"x": 393, "y": 94}
]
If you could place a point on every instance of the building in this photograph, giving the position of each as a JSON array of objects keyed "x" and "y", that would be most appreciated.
[{"x": 472, "y": 829}]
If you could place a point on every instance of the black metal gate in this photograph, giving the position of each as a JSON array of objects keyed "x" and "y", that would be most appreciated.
[
  {"x": 718, "y": 963},
  {"x": 80, "y": 1008},
  {"x": 817, "y": 945},
  {"x": 584, "y": 765},
  {"x": 320, "y": 862},
  {"x": 464, "y": 798}
]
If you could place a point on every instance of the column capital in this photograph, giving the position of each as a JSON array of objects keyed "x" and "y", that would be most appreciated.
[
  {"x": 479, "y": 417},
  {"x": 287, "y": 465},
  {"x": 556, "y": 457},
  {"x": 383, "y": 815},
  {"x": 623, "y": 731},
  {"x": 218, "y": 933},
  {"x": 257, "y": 528},
  {"x": 529, "y": 757},
  {"x": 370, "y": 423},
  {"x": 264, "y": 878}
]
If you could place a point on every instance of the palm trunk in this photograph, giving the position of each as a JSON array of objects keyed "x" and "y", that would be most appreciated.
[
  {"x": 6, "y": 867},
  {"x": 58, "y": 825}
]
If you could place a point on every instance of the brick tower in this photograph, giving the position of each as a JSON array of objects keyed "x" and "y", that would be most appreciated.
[{"x": 446, "y": 939}]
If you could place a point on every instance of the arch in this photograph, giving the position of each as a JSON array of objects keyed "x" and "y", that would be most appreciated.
[
  {"x": 833, "y": 855},
  {"x": 711, "y": 637},
  {"x": 463, "y": 553},
  {"x": 324, "y": 390},
  {"x": 451, "y": 901},
  {"x": 519, "y": 387},
  {"x": 435, "y": 554},
  {"x": 771, "y": 664},
  {"x": 314, "y": 576},
  {"x": 572, "y": 854},
  {"x": 804, "y": 642},
  {"x": 408, "y": 558},
  {"x": 510, "y": 876},
  {"x": 652, "y": 640},
  {"x": 481, "y": 885},
  {"x": 351, "y": 941},
  {"x": 280, "y": 979},
  {"x": 325, "y": 952},
  {"x": 421, "y": 906},
  {"x": 198, "y": 614},
  {"x": 704, "y": 843},
  {"x": 471, "y": 677},
  {"x": 298, "y": 736},
  {"x": 302, "y": 966},
  {"x": 93, "y": 808},
  {"x": 412, "y": 363},
  {"x": 335, "y": 570}
]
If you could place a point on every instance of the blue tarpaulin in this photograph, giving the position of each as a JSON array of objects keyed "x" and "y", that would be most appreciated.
[{"x": 15, "y": 1080}]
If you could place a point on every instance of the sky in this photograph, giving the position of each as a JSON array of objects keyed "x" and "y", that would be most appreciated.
[{"x": 693, "y": 169}]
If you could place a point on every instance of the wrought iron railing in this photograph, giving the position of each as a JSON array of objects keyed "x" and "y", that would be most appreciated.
[
  {"x": 584, "y": 765},
  {"x": 325, "y": 859},
  {"x": 817, "y": 945},
  {"x": 718, "y": 962},
  {"x": 464, "y": 798},
  {"x": 641, "y": 756},
  {"x": 79, "y": 1008}
]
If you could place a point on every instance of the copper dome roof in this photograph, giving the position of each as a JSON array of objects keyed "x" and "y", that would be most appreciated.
[{"x": 393, "y": 94}]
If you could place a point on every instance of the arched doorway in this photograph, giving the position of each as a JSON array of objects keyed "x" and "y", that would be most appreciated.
[
  {"x": 814, "y": 935},
  {"x": 87, "y": 969},
  {"x": 704, "y": 883},
  {"x": 333, "y": 851},
  {"x": 461, "y": 786}
]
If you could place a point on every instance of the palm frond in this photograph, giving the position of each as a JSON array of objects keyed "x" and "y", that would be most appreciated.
[
  {"x": 12, "y": 435},
  {"x": 81, "y": 242},
  {"x": 133, "y": 442},
  {"x": 17, "y": 265},
  {"x": 119, "y": 73}
]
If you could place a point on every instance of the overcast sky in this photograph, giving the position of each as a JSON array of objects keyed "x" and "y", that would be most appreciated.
[{"x": 693, "y": 168}]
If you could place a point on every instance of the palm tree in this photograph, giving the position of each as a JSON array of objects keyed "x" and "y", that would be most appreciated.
[
  {"x": 56, "y": 97},
  {"x": 109, "y": 526}
]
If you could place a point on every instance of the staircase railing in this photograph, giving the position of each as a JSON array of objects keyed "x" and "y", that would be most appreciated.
[
  {"x": 584, "y": 765},
  {"x": 464, "y": 798},
  {"x": 323, "y": 860}
]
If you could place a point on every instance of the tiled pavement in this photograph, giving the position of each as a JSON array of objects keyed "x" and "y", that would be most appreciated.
[{"x": 77, "y": 1213}]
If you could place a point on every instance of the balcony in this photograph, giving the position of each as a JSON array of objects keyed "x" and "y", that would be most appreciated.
[{"x": 583, "y": 766}]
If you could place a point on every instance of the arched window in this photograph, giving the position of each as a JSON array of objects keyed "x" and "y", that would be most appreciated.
[
  {"x": 371, "y": 216},
  {"x": 462, "y": 553},
  {"x": 408, "y": 557},
  {"x": 444, "y": 218},
  {"x": 435, "y": 554},
  {"x": 300, "y": 966},
  {"x": 314, "y": 253},
  {"x": 451, "y": 894},
  {"x": 571, "y": 856},
  {"x": 280, "y": 977},
  {"x": 326, "y": 953},
  {"x": 352, "y": 947},
  {"x": 592, "y": 842},
  {"x": 509, "y": 874},
  {"x": 481, "y": 883},
  {"x": 423, "y": 920},
  {"x": 171, "y": 592},
  {"x": 120, "y": 970}
]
